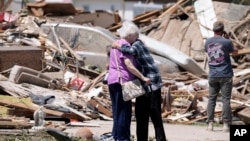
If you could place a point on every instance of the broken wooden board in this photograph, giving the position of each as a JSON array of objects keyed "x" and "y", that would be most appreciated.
[
  {"x": 98, "y": 18},
  {"x": 101, "y": 108},
  {"x": 28, "y": 107},
  {"x": 14, "y": 125},
  {"x": 180, "y": 116},
  {"x": 54, "y": 8},
  {"x": 13, "y": 89},
  {"x": 244, "y": 115}
]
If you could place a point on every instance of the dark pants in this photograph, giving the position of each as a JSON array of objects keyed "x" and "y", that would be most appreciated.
[
  {"x": 215, "y": 86},
  {"x": 149, "y": 106},
  {"x": 122, "y": 112}
]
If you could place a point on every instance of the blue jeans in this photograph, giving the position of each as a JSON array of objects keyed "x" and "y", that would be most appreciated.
[
  {"x": 215, "y": 86},
  {"x": 122, "y": 112}
]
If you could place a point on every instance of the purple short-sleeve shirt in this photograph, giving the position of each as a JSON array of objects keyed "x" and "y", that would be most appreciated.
[{"x": 126, "y": 75}]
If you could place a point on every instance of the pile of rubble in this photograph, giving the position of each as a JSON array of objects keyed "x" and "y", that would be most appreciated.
[{"x": 41, "y": 68}]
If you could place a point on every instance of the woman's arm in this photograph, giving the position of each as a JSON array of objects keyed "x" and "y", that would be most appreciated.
[
  {"x": 125, "y": 48},
  {"x": 135, "y": 71}
]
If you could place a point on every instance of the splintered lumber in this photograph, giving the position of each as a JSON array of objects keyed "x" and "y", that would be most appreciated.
[
  {"x": 101, "y": 108},
  {"x": 200, "y": 93},
  {"x": 55, "y": 8},
  {"x": 159, "y": 32},
  {"x": 13, "y": 89},
  {"x": 14, "y": 125},
  {"x": 66, "y": 45},
  {"x": 30, "y": 107},
  {"x": 76, "y": 112},
  {"x": 241, "y": 97},
  {"x": 192, "y": 105},
  {"x": 145, "y": 16},
  {"x": 244, "y": 115},
  {"x": 17, "y": 132},
  {"x": 243, "y": 51},
  {"x": 85, "y": 71},
  {"x": 243, "y": 91},
  {"x": 167, "y": 99},
  {"x": 97, "y": 80},
  {"x": 196, "y": 119},
  {"x": 240, "y": 103},
  {"x": 140, "y": 18},
  {"x": 172, "y": 9},
  {"x": 180, "y": 116},
  {"x": 37, "y": 12},
  {"x": 1, "y": 4},
  {"x": 241, "y": 78},
  {"x": 5, "y": 6}
]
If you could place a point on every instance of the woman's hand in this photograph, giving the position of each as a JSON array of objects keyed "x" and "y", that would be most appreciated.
[
  {"x": 116, "y": 45},
  {"x": 146, "y": 80}
]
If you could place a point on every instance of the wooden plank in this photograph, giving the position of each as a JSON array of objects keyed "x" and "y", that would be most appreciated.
[
  {"x": 13, "y": 89},
  {"x": 55, "y": 8},
  {"x": 172, "y": 9},
  {"x": 173, "y": 28},
  {"x": 159, "y": 32},
  {"x": 66, "y": 45},
  {"x": 243, "y": 91},
  {"x": 100, "y": 107},
  {"x": 76, "y": 112},
  {"x": 137, "y": 19},
  {"x": 7, "y": 103},
  {"x": 97, "y": 80},
  {"x": 244, "y": 115},
  {"x": 146, "y": 15},
  {"x": 243, "y": 51},
  {"x": 240, "y": 103},
  {"x": 14, "y": 125},
  {"x": 5, "y": 6},
  {"x": 184, "y": 45},
  {"x": 180, "y": 116},
  {"x": 37, "y": 11}
]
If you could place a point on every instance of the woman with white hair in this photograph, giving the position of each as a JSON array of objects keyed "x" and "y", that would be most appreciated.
[
  {"x": 122, "y": 67},
  {"x": 148, "y": 105}
]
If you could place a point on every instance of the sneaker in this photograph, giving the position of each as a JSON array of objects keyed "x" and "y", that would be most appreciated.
[
  {"x": 104, "y": 137},
  {"x": 226, "y": 127},
  {"x": 210, "y": 126}
]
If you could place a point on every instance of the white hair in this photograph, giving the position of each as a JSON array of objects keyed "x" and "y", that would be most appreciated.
[{"x": 128, "y": 28}]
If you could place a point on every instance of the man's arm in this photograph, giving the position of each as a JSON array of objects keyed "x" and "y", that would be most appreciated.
[
  {"x": 235, "y": 50},
  {"x": 125, "y": 48},
  {"x": 135, "y": 71}
]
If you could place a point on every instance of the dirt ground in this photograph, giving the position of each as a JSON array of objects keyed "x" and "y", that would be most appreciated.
[{"x": 174, "y": 132}]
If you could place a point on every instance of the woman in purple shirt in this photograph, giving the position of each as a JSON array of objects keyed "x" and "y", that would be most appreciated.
[{"x": 122, "y": 66}]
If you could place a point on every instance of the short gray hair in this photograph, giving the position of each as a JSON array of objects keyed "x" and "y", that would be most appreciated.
[
  {"x": 218, "y": 26},
  {"x": 128, "y": 28}
]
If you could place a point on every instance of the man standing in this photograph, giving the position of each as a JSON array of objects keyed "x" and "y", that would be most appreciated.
[{"x": 220, "y": 76}]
